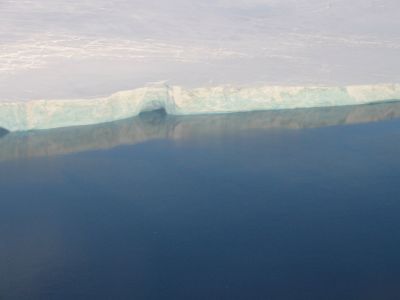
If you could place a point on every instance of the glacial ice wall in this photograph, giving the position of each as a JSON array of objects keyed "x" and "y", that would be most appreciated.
[{"x": 176, "y": 100}]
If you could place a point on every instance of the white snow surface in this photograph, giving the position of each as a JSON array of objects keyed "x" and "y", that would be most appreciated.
[{"x": 53, "y": 50}]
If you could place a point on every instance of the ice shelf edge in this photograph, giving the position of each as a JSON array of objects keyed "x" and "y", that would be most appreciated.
[{"x": 176, "y": 100}]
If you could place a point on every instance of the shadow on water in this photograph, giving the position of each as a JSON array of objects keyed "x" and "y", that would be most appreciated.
[
  {"x": 3, "y": 132},
  {"x": 159, "y": 125}
]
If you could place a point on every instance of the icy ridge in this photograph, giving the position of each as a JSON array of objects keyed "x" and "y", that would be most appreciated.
[{"x": 176, "y": 100}]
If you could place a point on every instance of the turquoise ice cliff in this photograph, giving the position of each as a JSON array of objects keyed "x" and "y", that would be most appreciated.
[{"x": 45, "y": 114}]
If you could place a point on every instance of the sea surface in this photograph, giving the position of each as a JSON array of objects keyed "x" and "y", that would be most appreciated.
[{"x": 300, "y": 204}]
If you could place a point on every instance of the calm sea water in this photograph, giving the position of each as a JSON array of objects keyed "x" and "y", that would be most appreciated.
[{"x": 285, "y": 205}]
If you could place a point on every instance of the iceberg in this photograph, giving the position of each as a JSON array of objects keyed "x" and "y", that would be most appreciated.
[
  {"x": 177, "y": 100},
  {"x": 217, "y": 56}
]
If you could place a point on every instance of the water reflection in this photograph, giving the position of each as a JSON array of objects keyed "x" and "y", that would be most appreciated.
[{"x": 158, "y": 125}]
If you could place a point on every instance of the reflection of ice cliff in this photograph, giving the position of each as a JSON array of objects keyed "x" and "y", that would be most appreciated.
[{"x": 157, "y": 125}]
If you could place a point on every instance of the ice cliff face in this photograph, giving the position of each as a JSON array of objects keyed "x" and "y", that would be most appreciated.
[{"x": 44, "y": 114}]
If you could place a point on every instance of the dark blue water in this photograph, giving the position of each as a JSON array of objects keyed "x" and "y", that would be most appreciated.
[{"x": 231, "y": 212}]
